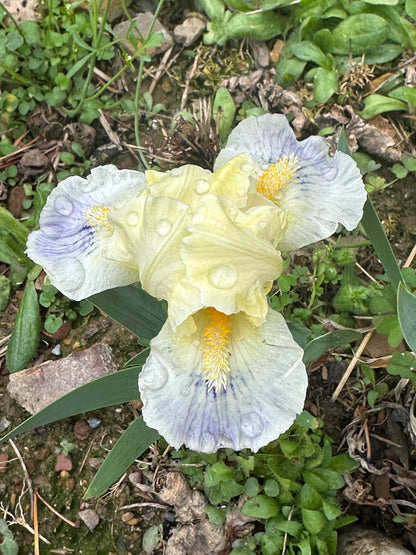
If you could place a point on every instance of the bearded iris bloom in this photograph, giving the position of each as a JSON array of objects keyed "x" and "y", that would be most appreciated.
[
  {"x": 224, "y": 371},
  {"x": 316, "y": 191}
]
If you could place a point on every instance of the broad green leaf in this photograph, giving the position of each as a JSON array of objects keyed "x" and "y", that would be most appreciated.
[
  {"x": 383, "y": 2},
  {"x": 309, "y": 497},
  {"x": 113, "y": 389},
  {"x": 260, "y": 26},
  {"x": 224, "y": 109},
  {"x": 4, "y": 292},
  {"x": 24, "y": 339},
  {"x": 309, "y": 52},
  {"x": 406, "y": 312},
  {"x": 378, "y": 104},
  {"x": 331, "y": 340},
  {"x": 31, "y": 31},
  {"x": 13, "y": 226},
  {"x": 359, "y": 33},
  {"x": 314, "y": 521},
  {"x": 325, "y": 84},
  {"x": 407, "y": 94},
  {"x": 216, "y": 516},
  {"x": 409, "y": 162},
  {"x": 133, "y": 308},
  {"x": 278, "y": 524},
  {"x": 260, "y": 506},
  {"x": 375, "y": 232},
  {"x": 133, "y": 442},
  {"x": 343, "y": 463},
  {"x": 410, "y": 7}
]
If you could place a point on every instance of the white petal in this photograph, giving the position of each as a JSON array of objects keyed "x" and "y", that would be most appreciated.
[
  {"x": 324, "y": 191},
  {"x": 266, "y": 387},
  {"x": 69, "y": 245}
]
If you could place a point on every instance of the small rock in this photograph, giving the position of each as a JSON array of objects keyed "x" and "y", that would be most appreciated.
[
  {"x": 37, "y": 387},
  {"x": 357, "y": 540},
  {"x": 64, "y": 474},
  {"x": 56, "y": 350},
  {"x": 95, "y": 462},
  {"x": 30, "y": 465},
  {"x": 135, "y": 478},
  {"x": 189, "y": 31},
  {"x": 125, "y": 517},
  {"x": 69, "y": 484},
  {"x": 4, "y": 423},
  {"x": 133, "y": 521},
  {"x": 142, "y": 23},
  {"x": 4, "y": 459},
  {"x": 41, "y": 454},
  {"x": 93, "y": 422},
  {"x": 260, "y": 52},
  {"x": 90, "y": 518},
  {"x": 81, "y": 429},
  {"x": 63, "y": 462}
]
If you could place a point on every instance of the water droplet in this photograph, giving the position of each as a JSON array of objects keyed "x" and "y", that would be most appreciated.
[
  {"x": 202, "y": 187},
  {"x": 63, "y": 206},
  {"x": 163, "y": 227},
  {"x": 68, "y": 273},
  {"x": 223, "y": 277},
  {"x": 132, "y": 219},
  {"x": 251, "y": 425}
]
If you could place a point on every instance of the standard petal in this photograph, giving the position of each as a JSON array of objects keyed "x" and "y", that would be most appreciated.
[
  {"x": 228, "y": 258},
  {"x": 315, "y": 190},
  {"x": 190, "y": 183},
  {"x": 265, "y": 387},
  {"x": 74, "y": 232}
]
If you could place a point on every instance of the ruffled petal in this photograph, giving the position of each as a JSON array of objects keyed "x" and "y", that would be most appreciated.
[
  {"x": 74, "y": 232},
  {"x": 315, "y": 190},
  {"x": 265, "y": 386},
  {"x": 229, "y": 257},
  {"x": 190, "y": 183}
]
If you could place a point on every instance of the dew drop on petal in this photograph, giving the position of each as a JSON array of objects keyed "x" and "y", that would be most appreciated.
[
  {"x": 251, "y": 425},
  {"x": 163, "y": 227},
  {"x": 63, "y": 206},
  {"x": 132, "y": 219},
  {"x": 69, "y": 272},
  {"x": 223, "y": 277},
  {"x": 202, "y": 187}
]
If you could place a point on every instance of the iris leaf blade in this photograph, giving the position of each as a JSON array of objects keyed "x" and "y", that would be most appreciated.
[
  {"x": 406, "y": 312},
  {"x": 114, "y": 389},
  {"x": 133, "y": 308},
  {"x": 131, "y": 444},
  {"x": 317, "y": 347}
]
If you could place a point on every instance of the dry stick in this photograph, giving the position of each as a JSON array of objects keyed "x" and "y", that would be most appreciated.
[
  {"x": 410, "y": 257},
  {"x": 62, "y": 517},
  {"x": 352, "y": 364},
  {"x": 22, "y": 462},
  {"x": 163, "y": 66},
  {"x": 189, "y": 76},
  {"x": 36, "y": 524}
]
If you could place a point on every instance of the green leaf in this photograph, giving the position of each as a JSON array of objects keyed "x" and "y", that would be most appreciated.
[
  {"x": 260, "y": 506},
  {"x": 133, "y": 308},
  {"x": 325, "y": 84},
  {"x": 113, "y": 389},
  {"x": 383, "y": 2},
  {"x": 309, "y": 497},
  {"x": 331, "y": 340},
  {"x": 407, "y": 94},
  {"x": 313, "y": 521},
  {"x": 224, "y": 109},
  {"x": 359, "y": 33},
  {"x": 133, "y": 442},
  {"x": 410, "y": 7},
  {"x": 375, "y": 232},
  {"x": 14, "y": 227},
  {"x": 4, "y": 292},
  {"x": 409, "y": 162},
  {"x": 406, "y": 312},
  {"x": 24, "y": 339},
  {"x": 309, "y": 52},
  {"x": 277, "y": 524},
  {"x": 343, "y": 463},
  {"x": 31, "y": 31},
  {"x": 378, "y": 104},
  {"x": 330, "y": 511},
  {"x": 216, "y": 516}
]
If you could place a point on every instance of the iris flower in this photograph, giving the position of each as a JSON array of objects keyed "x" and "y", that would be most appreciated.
[
  {"x": 316, "y": 191},
  {"x": 224, "y": 371}
]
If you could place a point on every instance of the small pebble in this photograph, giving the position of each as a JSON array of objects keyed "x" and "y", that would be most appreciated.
[
  {"x": 4, "y": 459},
  {"x": 64, "y": 474},
  {"x": 93, "y": 422},
  {"x": 125, "y": 517},
  {"x": 81, "y": 429},
  {"x": 56, "y": 350},
  {"x": 63, "y": 462},
  {"x": 4, "y": 423},
  {"x": 90, "y": 518}
]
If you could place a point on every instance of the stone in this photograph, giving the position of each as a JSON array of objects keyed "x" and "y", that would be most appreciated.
[
  {"x": 90, "y": 518},
  {"x": 63, "y": 462},
  {"x": 357, "y": 540},
  {"x": 37, "y": 387},
  {"x": 142, "y": 23},
  {"x": 189, "y": 31}
]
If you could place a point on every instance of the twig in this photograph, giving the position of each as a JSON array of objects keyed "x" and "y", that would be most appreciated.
[
  {"x": 36, "y": 525},
  {"x": 22, "y": 462},
  {"x": 352, "y": 364},
  {"x": 144, "y": 504},
  {"x": 285, "y": 538},
  {"x": 410, "y": 257},
  {"x": 189, "y": 77},
  {"x": 62, "y": 517}
]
